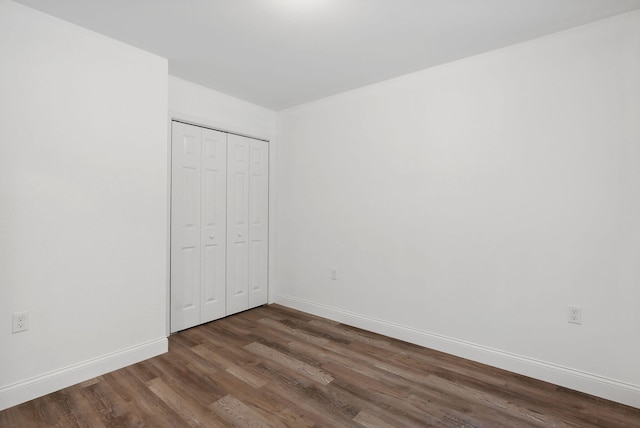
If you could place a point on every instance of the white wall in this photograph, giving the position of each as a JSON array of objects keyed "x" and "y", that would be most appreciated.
[
  {"x": 83, "y": 197},
  {"x": 203, "y": 106},
  {"x": 466, "y": 206}
]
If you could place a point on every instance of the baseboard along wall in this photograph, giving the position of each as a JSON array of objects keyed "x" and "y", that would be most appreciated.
[
  {"x": 599, "y": 386},
  {"x": 47, "y": 383}
]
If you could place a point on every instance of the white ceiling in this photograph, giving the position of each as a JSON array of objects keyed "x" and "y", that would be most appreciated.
[{"x": 280, "y": 53}]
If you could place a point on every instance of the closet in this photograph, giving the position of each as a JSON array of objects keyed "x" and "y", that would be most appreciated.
[{"x": 219, "y": 224}]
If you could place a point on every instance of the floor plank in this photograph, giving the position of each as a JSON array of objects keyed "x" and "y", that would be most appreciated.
[{"x": 278, "y": 367}]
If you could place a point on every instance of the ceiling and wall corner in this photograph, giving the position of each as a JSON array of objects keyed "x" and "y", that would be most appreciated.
[{"x": 282, "y": 53}]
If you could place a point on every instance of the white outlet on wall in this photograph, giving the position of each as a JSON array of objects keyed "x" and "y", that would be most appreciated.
[
  {"x": 575, "y": 314},
  {"x": 20, "y": 321},
  {"x": 334, "y": 274}
]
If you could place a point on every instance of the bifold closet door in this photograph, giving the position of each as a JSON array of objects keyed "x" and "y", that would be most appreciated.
[
  {"x": 247, "y": 223},
  {"x": 198, "y": 225},
  {"x": 258, "y": 222},
  {"x": 237, "y": 223},
  {"x": 214, "y": 225}
]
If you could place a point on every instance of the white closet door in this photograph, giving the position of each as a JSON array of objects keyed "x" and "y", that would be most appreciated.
[
  {"x": 258, "y": 222},
  {"x": 213, "y": 225},
  {"x": 185, "y": 226},
  {"x": 237, "y": 223}
]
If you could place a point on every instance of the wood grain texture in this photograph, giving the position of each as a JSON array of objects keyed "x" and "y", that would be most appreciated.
[{"x": 277, "y": 367}]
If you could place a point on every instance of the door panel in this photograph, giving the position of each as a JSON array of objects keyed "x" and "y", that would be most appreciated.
[
  {"x": 185, "y": 226},
  {"x": 213, "y": 283},
  {"x": 213, "y": 229},
  {"x": 258, "y": 222},
  {"x": 237, "y": 227},
  {"x": 190, "y": 279}
]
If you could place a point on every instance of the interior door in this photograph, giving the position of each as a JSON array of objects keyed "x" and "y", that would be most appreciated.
[
  {"x": 237, "y": 223},
  {"x": 258, "y": 222},
  {"x": 186, "y": 142},
  {"x": 213, "y": 225}
]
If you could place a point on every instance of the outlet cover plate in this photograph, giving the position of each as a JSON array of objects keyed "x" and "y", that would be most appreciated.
[
  {"x": 575, "y": 314},
  {"x": 20, "y": 321}
]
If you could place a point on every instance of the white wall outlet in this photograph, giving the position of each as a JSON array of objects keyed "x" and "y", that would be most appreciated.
[
  {"x": 20, "y": 321},
  {"x": 575, "y": 314},
  {"x": 334, "y": 274}
]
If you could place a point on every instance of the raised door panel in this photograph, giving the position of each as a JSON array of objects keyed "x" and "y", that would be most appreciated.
[
  {"x": 213, "y": 225},
  {"x": 185, "y": 226},
  {"x": 237, "y": 223},
  {"x": 258, "y": 222}
]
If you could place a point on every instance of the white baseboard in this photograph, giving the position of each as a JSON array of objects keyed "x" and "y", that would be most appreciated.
[
  {"x": 24, "y": 391},
  {"x": 599, "y": 386}
]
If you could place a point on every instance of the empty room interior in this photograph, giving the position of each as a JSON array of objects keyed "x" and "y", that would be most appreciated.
[{"x": 320, "y": 213}]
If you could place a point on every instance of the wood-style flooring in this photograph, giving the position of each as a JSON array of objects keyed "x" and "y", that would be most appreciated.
[{"x": 275, "y": 367}]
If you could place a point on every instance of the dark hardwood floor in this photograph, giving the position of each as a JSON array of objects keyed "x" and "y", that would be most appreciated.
[{"x": 274, "y": 366}]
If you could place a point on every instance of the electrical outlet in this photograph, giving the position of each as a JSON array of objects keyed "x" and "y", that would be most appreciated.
[
  {"x": 575, "y": 314},
  {"x": 20, "y": 321},
  {"x": 334, "y": 275}
]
